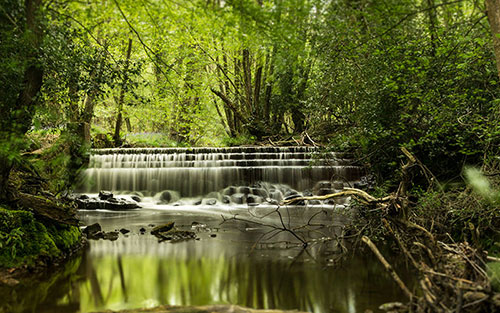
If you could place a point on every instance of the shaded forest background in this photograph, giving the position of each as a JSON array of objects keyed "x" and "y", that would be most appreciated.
[{"x": 366, "y": 76}]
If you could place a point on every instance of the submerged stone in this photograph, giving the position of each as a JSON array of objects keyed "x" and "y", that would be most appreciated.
[
  {"x": 112, "y": 235},
  {"x": 162, "y": 228},
  {"x": 176, "y": 235}
]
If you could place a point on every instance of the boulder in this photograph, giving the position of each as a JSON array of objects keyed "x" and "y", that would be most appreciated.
[
  {"x": 165, "y": 196},
  {"x": 238, "y": 198},
  {"x": 276, "y": 195},
  {"x": 118, "y": 205},
  {"x": 261, "y": 192},
  {"x": 92, "y": 229},
  {"x": 244, "y": 190},
  {"x": 82, "y": 197},
  {"x": 253, "y": 200},
  {"x": 210, "y": 201},
  {"x": 124, "y": 231},
  {"x": 105, "y": 195},
  {"x": 136, "y": 198},
  {"x": 229, "y": 190},
  {"x": 114, "y": 204},
  {"x": 226, "y": 199}
]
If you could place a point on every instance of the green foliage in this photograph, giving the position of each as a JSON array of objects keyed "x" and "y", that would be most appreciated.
[
  {"x": 150, "y": 140},
  {"x": 238, "y": 141},
  {"x": 24, "y": 239},
  {"x": 493, "y": 271},
  {"x": 469, "y": 214},
  {"x": 386, "y": 87}
]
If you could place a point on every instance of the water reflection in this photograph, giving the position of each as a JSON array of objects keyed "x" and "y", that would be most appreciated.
[{"x": 137, "y": 271}]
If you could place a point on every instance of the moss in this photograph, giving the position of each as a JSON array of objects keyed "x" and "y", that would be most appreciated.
[{"x": 23, "y": 239}]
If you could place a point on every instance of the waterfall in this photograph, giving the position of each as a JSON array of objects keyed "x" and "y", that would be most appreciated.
[{"x": 194, "y": 172}]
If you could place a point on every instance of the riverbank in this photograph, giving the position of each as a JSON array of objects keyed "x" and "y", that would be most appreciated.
[
  {"x": 448, "y": 235},
  {"x": 38, "y": 230}
]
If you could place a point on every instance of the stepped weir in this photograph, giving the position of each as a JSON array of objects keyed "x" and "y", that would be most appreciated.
[{"x": 226, "y": 175}]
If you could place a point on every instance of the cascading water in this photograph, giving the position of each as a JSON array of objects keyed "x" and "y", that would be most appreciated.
[{"x": 227, "y": 175}]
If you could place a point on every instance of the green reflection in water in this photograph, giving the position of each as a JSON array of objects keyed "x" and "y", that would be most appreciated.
[
  {"x": 57, "y": 291},
  {"x": 134, "y": 281}
]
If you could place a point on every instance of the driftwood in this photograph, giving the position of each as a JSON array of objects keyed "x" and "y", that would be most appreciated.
[
  {"x": 387, "y": 266},
  {"x": 361, "y": 195}
]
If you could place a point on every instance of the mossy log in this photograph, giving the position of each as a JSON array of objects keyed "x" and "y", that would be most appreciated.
[{"x": 45, "y": 207}]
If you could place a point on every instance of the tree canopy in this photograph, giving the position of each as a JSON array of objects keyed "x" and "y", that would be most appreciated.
[{"x": 370, "y": 76}]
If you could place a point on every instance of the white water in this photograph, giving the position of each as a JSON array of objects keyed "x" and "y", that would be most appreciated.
[{"x": 272, "y": 172}]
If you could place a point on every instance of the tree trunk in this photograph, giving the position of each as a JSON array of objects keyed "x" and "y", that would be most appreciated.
[
  {"x": 19, "y": 120},
  {"x": 493, "y": 9},
  {"x": 119, "y": 118}
]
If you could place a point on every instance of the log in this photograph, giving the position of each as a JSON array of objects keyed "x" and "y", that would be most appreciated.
[
  {"x": 363, "y": 196},
  {"x": 48, "y": 208}
]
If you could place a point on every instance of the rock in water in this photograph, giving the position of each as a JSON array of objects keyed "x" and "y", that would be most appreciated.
[
  {"x": 112, "y": 236},
  {"x": 176, "y": 235},
  {"x": 105, "y": 195},
  {"x": 92, "y": 229},
  {"x": 162, "y": 228},
  {"x": 238, "y": 198},
  {"x": 165, "y": 196}
]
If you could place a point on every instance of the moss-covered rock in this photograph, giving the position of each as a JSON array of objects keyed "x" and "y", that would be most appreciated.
[{"x": 24, "y": 239}]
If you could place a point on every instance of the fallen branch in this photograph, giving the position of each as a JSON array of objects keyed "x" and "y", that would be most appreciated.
[
  {"x": 363, "y": 196},
  {"x": 387, "y": 266}
]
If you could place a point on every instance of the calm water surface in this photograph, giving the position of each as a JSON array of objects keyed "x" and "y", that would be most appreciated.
[{"x": 244, "y": 261}]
